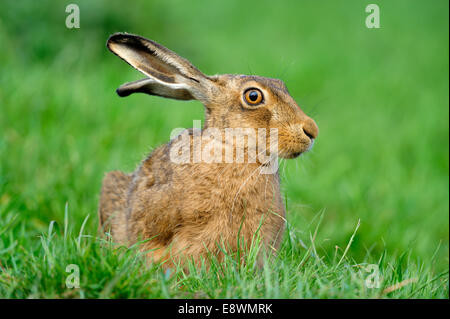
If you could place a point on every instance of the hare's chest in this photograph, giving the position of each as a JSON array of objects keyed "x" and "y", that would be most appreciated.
[
  {"x": 231, "y": 189},
  {"x": 232, "y": 203}
]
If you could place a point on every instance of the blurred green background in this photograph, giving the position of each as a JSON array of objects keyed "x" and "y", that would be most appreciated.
[{"x": 379, "y": 96}]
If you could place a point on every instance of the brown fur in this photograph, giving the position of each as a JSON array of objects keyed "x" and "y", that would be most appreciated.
[{"x": 188, "y": 210}]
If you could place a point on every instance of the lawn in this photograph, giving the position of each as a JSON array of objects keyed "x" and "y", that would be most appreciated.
[{"x": 369, "y": 201}]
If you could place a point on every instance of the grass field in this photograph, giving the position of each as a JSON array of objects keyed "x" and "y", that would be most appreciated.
[{"x": 373, "y": 191}]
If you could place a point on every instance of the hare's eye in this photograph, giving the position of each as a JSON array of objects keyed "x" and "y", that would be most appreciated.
[{"x": 253, "y": 96}]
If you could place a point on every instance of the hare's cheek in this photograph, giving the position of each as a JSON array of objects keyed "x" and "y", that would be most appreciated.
[{"x": 263, "y": 116}]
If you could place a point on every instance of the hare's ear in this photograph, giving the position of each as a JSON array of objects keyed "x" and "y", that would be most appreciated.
[
  {"x": 153, "y": 87},
  {"x": 169, "y": 75}
]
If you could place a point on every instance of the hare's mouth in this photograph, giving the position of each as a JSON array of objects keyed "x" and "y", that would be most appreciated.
[
  {"x": 290, "y": 155},
  {"x": 294, "y": 154},
  {"x": 297, "y": 154}
]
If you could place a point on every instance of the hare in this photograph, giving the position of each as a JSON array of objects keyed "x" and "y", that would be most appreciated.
[{"x": 188, "y": 210}]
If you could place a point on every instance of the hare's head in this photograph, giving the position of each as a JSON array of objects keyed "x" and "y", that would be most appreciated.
[{"x": 231, "y": 101}]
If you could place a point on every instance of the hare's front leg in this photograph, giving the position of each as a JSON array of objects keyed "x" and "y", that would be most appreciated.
[{"x": 153, "y": 218}]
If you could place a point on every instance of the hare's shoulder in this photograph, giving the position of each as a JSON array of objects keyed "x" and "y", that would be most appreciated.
[
  {"x": 160, "y": 163},
  {"x": 155, "y": 198},
  {"x": 155, "y": 169}
]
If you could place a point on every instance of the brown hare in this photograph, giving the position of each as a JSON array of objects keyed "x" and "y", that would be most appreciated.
[{"x": 192, "y": 208}]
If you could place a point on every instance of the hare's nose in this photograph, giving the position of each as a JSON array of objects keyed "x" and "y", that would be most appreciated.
[{"x": 310, "y": 128}]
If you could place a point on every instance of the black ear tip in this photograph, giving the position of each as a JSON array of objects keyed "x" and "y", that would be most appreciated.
[
  {"x": 117, "y": 37},
  {"x": 122, "y": 93}
]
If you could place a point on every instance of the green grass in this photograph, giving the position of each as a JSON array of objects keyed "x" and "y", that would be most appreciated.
[
  {"x": 380, "y": 98},
  {"x": 38, "y": 270}
]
